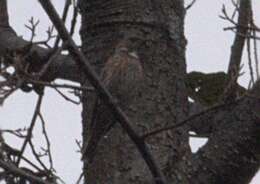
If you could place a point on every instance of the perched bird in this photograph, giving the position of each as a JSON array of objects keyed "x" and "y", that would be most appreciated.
[{"x": 122, "y": 75}]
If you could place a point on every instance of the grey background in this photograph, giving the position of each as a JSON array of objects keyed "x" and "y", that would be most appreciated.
[{"x": 208, "y": 51}]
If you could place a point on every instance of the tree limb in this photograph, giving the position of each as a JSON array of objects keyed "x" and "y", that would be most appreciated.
[
  {"x": 233, "y": 147},
  {"x": 62, "y": 67},
  {"x": 19, "y": 172},
  {"x": 237, "y": 49},
  {"x": 201, "y": 125},
  {"x": 30, "y": 130},
  {"x": 102, "y": 91}
]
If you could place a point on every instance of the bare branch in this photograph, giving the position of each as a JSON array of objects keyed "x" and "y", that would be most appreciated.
[
  {"x": 74, "y": 18},
  {"x": 67, "y": 98},
  {"x": 80, "y": 178},
  {"x": 63, "y": 66},
  {"x": 49, "y": 62},
  {"x": 255, "y": 45},
  {"x": 237, "y": 50},
  {"x": 4, "y": 18},
  {"x": 64, "y": 17},
  {"x": 17, "y": 132},
  {"x": 36, "y": 155},
  {"x": 55, "y": 85},
  {"x": 103, "y": 92},
  {"x": 29, "y": 134},
  {"x": 184, "y": 122},
  {"x": 228, "y": 18},
  {"x": 250, "y": 60},
  {"x": 32, "y": 27},
  {"x": 190, "y": 5},
  {"x": 20, "y": 172},
  {"x": 48, "y": 142}
]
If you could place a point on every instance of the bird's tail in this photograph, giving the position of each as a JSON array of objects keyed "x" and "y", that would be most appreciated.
[{"x": 90, "y": 150}]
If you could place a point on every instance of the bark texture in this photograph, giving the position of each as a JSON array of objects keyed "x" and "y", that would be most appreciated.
[{"x": 155, "y": 32}]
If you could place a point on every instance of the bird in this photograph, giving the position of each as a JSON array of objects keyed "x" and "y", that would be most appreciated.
[{"x": 122, "y": 75}]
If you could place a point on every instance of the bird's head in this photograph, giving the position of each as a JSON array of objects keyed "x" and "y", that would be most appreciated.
[{"x": 121, "y": 47}]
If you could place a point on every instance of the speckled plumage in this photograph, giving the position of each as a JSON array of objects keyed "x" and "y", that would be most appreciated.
[{"x": 123, "y": 77}]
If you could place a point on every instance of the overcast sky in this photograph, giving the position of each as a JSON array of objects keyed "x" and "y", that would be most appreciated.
[{"x": 208, "y": 50}]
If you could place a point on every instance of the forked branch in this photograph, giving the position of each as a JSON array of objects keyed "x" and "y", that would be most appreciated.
[{"x": 237, "y": 49}]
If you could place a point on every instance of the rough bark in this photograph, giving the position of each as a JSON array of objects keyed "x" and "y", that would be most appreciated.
[
  {"x": 155, "y": 30},
  {"x": 157, "y": 36},
  {"x": 237, "y": 50},
  {"x": 232, "y": 152}
]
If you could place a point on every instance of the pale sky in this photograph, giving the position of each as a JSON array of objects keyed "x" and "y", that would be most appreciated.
[{"x": 208, "y": 50}]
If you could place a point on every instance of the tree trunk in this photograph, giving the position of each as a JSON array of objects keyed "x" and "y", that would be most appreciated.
[{"x": 155, "y": 31}]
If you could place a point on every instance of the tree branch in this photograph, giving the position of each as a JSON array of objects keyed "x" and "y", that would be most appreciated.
[
  {"x": 237, "y": 49},
  {"x": 4, "y": 21},
  {"x": 201, "y": 125},
  {"x": 102, "y": 91},
  {"x": 62, "y": 67},
  {"x": 19, "y": 172},
  {"x": 29, "y": 134},
  {"x": 233, "y": 147}
]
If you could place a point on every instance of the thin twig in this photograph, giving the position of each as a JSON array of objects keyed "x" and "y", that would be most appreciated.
[
  {"x": 74, "y": 18},
  {"x": 36, "y": 155},
  {"x": 182, "y": 123},
  {"x": 67, "y": 98},
  {"x": 32, "y": 27},
  {"x": 255, "y": 44},
  {"x": 46, "y": 41},
  {"x": 189, "y": 119},
  {"x": 30, "y": 130},
  {"x": 190, "y": 5},
  {"x": 17, "y": 171},
  {"x": 31, "y": 164},
  {"x": 103, "y": 92},
  {"x": 64, "y": 17},
  {"x": 48, "y": 142},
  {"x": 4, "y": 96},
  {"x": 250, "y": 61},
  {"x": 79, "y": 146},
  {"x": 49, "y": 62},
  {"x": 225, "y": 16},
  {"x": 237, "y": 50},
  {"x": 65, "y": 86},
  {"x": 256, "y": 56},
  {"x": 15, "y": 132},
  {"x": 80, "y": 178}
]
